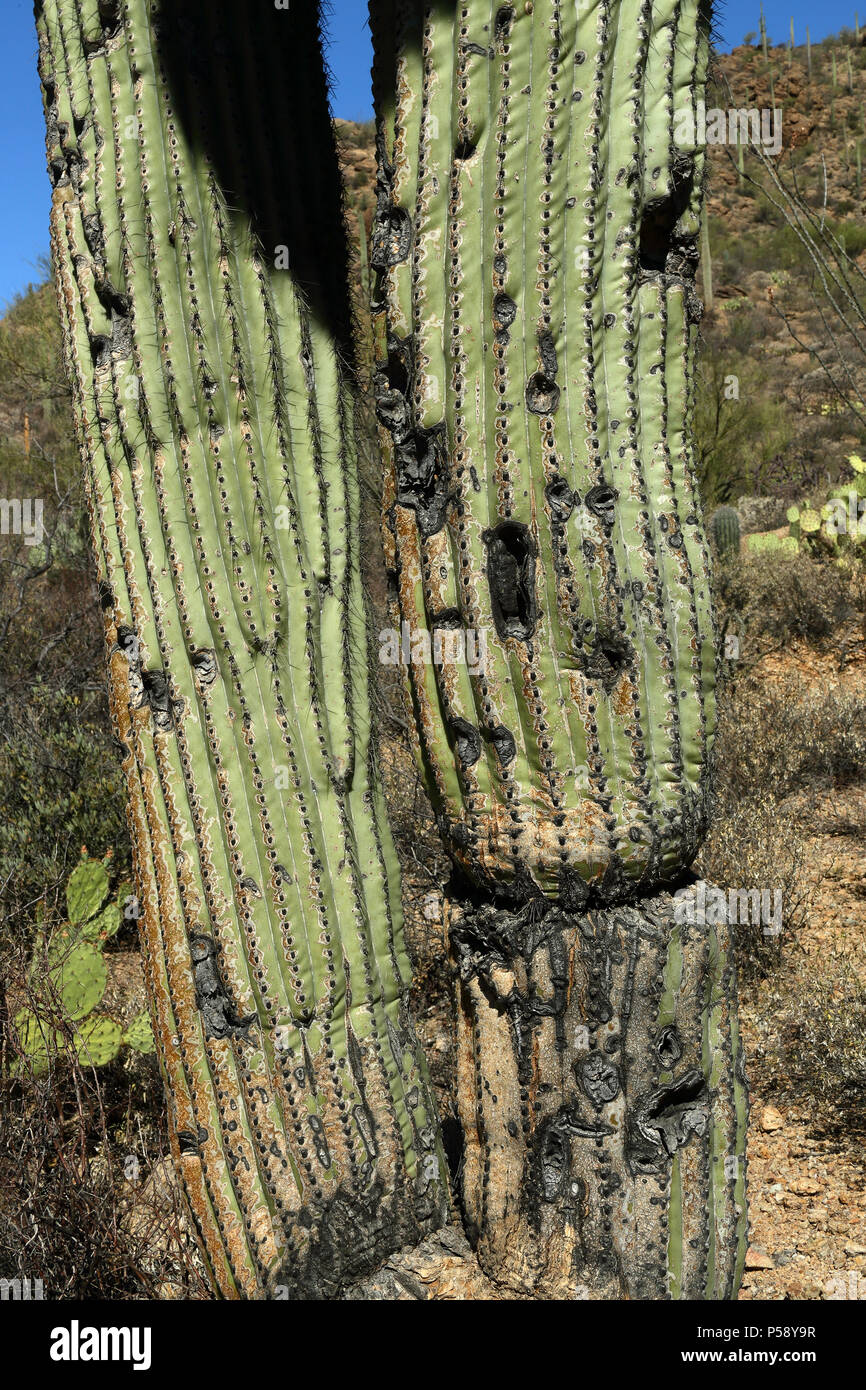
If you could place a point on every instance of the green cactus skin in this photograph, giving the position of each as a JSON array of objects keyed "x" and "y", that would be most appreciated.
[
  {"x": 206, "y": 346},
  {"x": 86, "y": 890},
  {"x": 535, "y": 247},
  {"x": 80, "y": 980},
  {"x": 767, "y": 540},
  {"x": 139, "y": 1034},
  {"x": 535, "y": 263},
  {"x": 38, "y": 1040},
  {"x": 98, "y": 1041},
  {"x": 725, "y": 530}
]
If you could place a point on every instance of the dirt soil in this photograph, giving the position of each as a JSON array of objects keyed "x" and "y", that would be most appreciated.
[{"x": 808, "y": 1190}]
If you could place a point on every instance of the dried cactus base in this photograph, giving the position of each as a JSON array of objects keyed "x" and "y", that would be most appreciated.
[
  {"x": 602, "y": 1100},
  {"x": 351, "y": 1239}
]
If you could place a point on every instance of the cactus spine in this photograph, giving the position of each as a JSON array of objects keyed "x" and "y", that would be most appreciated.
[
  {"x": 535, "y": 248},
  {"x": 205, "y": 312},
  {"x": 725, "y": 529}
]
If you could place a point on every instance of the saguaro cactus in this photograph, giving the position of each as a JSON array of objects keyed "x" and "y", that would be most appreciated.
[
  {"x": 536, "y": 242},
  {"x": 200, "y": 261},
  {"x": 534, "y": 251},
  {"x": 725, "y": 527},
  {"x": 536, "y": 247}
]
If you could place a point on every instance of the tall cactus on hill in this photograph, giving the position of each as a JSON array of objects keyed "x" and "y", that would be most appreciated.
[
  {"x": 206, "y": 327},
  {"x": 536, "y": 242}
]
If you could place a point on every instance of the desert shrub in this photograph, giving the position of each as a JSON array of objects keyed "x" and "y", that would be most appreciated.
[
  {"x": 761, "y": 513},
  {"x": 852, "y": 236},
  {"x": 755, "y": 846},
  {"x": 811, "y": 1023},
  {"x": 60, "y": 788},
  {"x": 60, "y": 779},
  {"x": 741, "y": 423},
  {"x": 775, "y": 596},
  {"x": 77, "y": 1148},
  {"x": 780, "y": 739}
]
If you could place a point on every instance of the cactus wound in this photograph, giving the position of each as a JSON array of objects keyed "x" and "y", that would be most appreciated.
[
  {"x": 511, "y": 554},
  {"x": 220, "y": 1016}
]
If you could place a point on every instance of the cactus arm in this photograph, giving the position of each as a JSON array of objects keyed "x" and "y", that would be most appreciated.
[
  {"x": 540, "y": 485},
  {"x": 543, "y": 403},
  {"x": 215, "y": 418}
]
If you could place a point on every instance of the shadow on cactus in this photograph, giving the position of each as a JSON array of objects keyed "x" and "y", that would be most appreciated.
[{"x": 67, "y": 982}]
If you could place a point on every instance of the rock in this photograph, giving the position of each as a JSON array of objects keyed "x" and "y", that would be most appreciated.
[
  {"x": 807, "y": 1186},
  {"x": 855, "y": 1249},
  {"x": 771, "y": 1119},
  {"x": 758, "y": 1259},
  {"x": 432, "y": 908}
]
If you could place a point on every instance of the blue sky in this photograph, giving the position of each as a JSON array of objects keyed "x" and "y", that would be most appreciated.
[{"x": 24, "y": 191}]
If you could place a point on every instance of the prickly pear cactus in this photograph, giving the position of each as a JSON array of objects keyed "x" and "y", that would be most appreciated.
[
  {"x": 200, "y": 259},
  {"x": 69, "y": 993},
  {"x": 858, "y": 468},
  {"x": 725, "y": 529},
  {"x": 536, "y": 242},
  {"x": 535, "y": 245}
]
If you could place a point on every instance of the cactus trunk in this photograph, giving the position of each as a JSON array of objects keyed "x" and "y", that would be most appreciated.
[
  {"x": 535, "y": 247},
  {"x": 201, "y": 267}
]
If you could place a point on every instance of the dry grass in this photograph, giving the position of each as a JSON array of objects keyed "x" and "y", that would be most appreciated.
[
  {"x": 78, "y": 1147},
  {"x": 811, "y": 1026}
]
